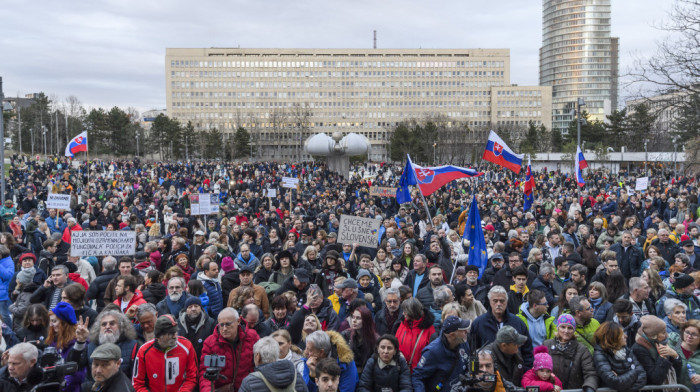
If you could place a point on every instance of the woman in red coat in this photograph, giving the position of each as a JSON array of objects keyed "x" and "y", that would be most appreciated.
[
  {"x": 239, "y": 360},
  {"x": 415, "y": 330}
]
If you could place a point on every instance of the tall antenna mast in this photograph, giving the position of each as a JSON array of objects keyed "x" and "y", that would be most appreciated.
[{"x": 375, "y": 39}]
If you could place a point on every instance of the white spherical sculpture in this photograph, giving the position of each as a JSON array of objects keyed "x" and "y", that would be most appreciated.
[{"x": 337, "y": 149}]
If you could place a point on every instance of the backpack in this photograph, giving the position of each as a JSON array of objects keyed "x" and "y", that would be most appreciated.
[
  {"x": 289, "y": 388},
  {"x": 270, "y": 289}
]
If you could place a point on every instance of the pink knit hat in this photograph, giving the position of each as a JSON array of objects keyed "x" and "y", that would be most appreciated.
[
  {"x": 542, "y": 359},
  {"x": 227, "y": 264}
]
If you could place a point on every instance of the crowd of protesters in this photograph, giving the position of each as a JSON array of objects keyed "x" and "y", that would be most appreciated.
[{"x": 600, "y": 275}]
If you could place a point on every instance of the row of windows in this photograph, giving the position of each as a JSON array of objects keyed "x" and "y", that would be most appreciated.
[
  {"x": 321, "y": 105},
  {"x": 519, "y": 93},
  {"x": 379, "y": 125},
  {"x": 341, "y": 94},
  {"x": 519, "y": 104},
  {"x": 325, "y": 74},
  {"x": 512, "y": 113},
  {"x": 334, "y": 64},
  {"x": 257, "y": 85},
  {"x": 265, "y": 118}
]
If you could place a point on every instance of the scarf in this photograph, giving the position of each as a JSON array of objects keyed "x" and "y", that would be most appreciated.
[
  {"x": 596, "y": 302},
  {"x": 644, "y": 341}
]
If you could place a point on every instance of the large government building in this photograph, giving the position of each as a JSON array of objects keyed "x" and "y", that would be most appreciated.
[
  {"x": 282, "y": 96},
  {"x": 578, "y": 58}
]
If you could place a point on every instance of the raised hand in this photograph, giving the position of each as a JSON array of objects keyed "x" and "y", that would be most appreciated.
[{"x": 82, "y": 331}]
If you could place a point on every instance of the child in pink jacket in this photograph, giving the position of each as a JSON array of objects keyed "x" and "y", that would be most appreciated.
[{"x": 541, "y": 373}]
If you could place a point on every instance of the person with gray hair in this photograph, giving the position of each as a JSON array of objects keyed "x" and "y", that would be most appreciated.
[
  {"x": 271, "y": 373},
  {"x": 388, "y": 318},
  {"x": 21, "y": 359},
  {"x": 675, "y": 315},
  {"x": 146, "y": 315},
  {"x": 486, "y": 326},
  {"x": 330, "y": 344},
  {"x": 49, "y": 294},
  {"x": 544, "y": 283},
  {"x": 98, "y": 287}
]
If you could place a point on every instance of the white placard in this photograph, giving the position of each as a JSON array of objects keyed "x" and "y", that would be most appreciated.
[
  {"x": 642, "y": 184},
  {"x": 58, "y": 201},
  {"x": 204, "y": 204},
  {"x": 271, "y": 192},
  {"x": 289, "y": 182},
  {"x": 354, "y": 229},
  {"x": 102, "y": 243}
]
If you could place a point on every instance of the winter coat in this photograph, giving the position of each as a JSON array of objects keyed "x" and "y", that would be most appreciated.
[
  {"x": 377, "y": 376},
  {"x": 280, "y": 374},
  {"x": 414, "y": 335},
  {"x": 119, "y": 382},
  {"x": 216, "y": 299},
  {"x": 656, "y": 366},
  {"x": 511, "y": 367},
  {"x": 229, "y": 281},
  {"x": 546, "y": 287},
  {"x": 167, "y": 306},
  {"x": 21, "y": 302},
  {"x": 259, "y": 295},
  {"x": 585, "y": 334},
  {"x": 43, "y": 295},
  {"x": 573, "y": 365},
  {"x": 239, "y": 359},
  {"x": 630, "y": 262},
  {"x": 7, "y": 271},
  {"x": 136, "y": 299},
  {"x": 629, "y": 375},
  {"x": 203, "y": 329},
  {"x": 540, "y": 328},
  {"x": 152, "y": 368},
  {"x": 381, "y": 325},
  {"x": 154, "y": 293},
  {"x": 530, "y": 379},
  {"x": 348, "y": 370},
  {"x": 691, "y": 301},
  {"x": 486, "y": 326},
  {"x": 98, "y": 287},
  {"x": 439, "y": 367},
  {"x": 10, "y": 384},
  {"x": 252, "y": 261}
]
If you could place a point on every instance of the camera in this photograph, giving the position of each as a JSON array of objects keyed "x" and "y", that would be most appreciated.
[
  {"x": 214, "y": 364},
  {"x": 53, "y": 369}
]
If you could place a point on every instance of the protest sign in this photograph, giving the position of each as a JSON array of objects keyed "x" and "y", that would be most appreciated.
[
  {"x": 289, "y": 182},
  {"x": 642, "y": 184},
  {"x": 102, "y": 243},
  {"x": 58, "y": 201},
  {"x": 364, "y": 231},
  {"x": 271, "y": 192},
  {"x": 382, "y": 191},
  {"x": 204, "y": 204}
]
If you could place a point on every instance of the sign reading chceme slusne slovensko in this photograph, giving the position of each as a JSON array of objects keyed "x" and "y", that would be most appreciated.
[{"x": 355, "y": 229}]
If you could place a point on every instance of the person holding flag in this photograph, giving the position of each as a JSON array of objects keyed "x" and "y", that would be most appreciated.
[{"x": 499, "y": 153}]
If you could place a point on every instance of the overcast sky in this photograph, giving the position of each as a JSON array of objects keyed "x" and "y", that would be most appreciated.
[{"x": 111, "y": 53}]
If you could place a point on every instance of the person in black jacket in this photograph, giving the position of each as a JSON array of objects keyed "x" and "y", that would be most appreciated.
[
  {"x": 617, "y": 366},
  {"x": 629, "y": 257},
  {"x": 230, "y": 279},
  {"x": 105, "y": 370},
  {"x": 22, "y": 361},
  {"x": 194, "y": 324},
  {"x": 154, "y": 290},
  {"x": 662, "y": 363},
  {"x": 388, "y": 318},
  {"x": 387, "y": 369},
  {"x": 98, "y": 286}
]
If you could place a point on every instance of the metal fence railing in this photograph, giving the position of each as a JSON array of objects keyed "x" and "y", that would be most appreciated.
[{"x": 679, "y": 387}]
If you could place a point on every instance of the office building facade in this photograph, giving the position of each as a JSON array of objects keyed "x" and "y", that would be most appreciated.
[
  {"x": 283, "y": 96},
  {"x": 579, "y": 58}
]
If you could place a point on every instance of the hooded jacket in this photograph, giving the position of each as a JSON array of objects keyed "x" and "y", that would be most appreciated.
[
  {"x": 216, "y": 299},
  {"x": 7, "y": 271},
  {"x": 348, "y": 371},
  {"x": 439, "y": 367},
  {"x": 280, "y": 374},
  {"x": 414, "y": 335},
  {"x": 136, "y": 299},
  {"x": 395, "y": 375},
  {"x": 540, "y": 328},
  {"x": 154, "y": 293},
  {"x": 239, "y": 358}
]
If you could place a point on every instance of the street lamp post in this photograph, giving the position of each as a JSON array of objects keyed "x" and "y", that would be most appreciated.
[
  {"x": 434, "y": 145},
  {"x": 43, "y": 134},
  {"x": 137, "y": 143},
  {"x": 187, "y": 153},
  {"x": 675, "y": 156},
  {"x": 646, "y": 158}
]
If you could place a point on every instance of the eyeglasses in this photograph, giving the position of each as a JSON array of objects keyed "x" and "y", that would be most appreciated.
[
  {"x": 690, "y": 334},
  {"x": 226, "y": 325},
  {"x": 543, "y": 304}
]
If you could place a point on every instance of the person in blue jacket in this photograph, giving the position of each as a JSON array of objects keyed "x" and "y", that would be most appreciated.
[
  {"x": 444, "y": 359},
  {"x": 487, "y": 325},
  {"x": 331, "y": 344},
  {"x": 7, "y": 271}
]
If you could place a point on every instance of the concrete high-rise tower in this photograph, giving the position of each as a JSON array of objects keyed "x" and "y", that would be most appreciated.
[{"x": 578, "y": 58}]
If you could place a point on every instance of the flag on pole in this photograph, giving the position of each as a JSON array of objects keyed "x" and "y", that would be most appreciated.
[
  {"x": 408, "y": 177},
  {"x": 77, "y": 144},
  {"x": 580, "y": 165},
  {"x": 499, "y": 153},
  {"x": 529, "y": 187},
  {"x": 429, "y": 179},
  {"x": 475, "y": 234}
]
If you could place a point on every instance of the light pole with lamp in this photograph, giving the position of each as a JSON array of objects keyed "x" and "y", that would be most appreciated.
[
  {"x": 43, "y": 134},
  {"x": 137, "y": 143},
  {"x": 646, "y": 158},
  {"x": 675, "y": 156},
  {"x": 434, "y": 145}
]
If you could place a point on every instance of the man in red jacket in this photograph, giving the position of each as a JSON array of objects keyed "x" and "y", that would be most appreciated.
[
  {"x": 127, "y": 295},
  {"x": 235, "y": 342},
  {"x": 167, "y": 363}
]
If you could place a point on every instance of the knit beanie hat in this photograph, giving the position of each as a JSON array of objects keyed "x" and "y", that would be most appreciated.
[
  {"x": 64, "y": 311},
  {"x": 682, "y": 281},
  {"x": 566, "y": 319},
  {"x": 652, "y": 325},
  {"x": 542, "y": 359},
  {"x": 192, "y": 300},
  {"x": 227, "y": 264},
  {"x": 165, "y": 324},
  {"x": 26, "y": 276}
]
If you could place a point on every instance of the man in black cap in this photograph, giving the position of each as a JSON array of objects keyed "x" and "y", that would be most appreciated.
[
  {"x": 682, "y": 290},
  {"x": 166, "y": 363},
  {"x": 259, "y": 294},
  {"x": 299, "y": 284},
  {"x": 688, "y": 248},
  {"x": 444, "y": 359},
  {"x": 305, "y": 241},
  {"x": 105, "y": 370},
  {"x": 497, "y": 261},
  {"x": 195, "y": 324}
]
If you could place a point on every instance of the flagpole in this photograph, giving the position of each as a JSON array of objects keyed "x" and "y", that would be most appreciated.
[{"x": 425, "y": 205}]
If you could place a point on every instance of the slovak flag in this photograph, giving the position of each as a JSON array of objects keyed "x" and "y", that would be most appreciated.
[
  {"x": 429, "y": 179},
  {"x": 580, "y": 165},
  {"x": 498, "y": 152},
  {"x": 77, "y": 144},
  {"x": 529, "y": 187}
]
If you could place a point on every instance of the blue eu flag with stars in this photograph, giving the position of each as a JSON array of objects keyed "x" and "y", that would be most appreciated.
[
  {"x": 408, "y": 177},
  {"x": 475, "y": 234}
]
